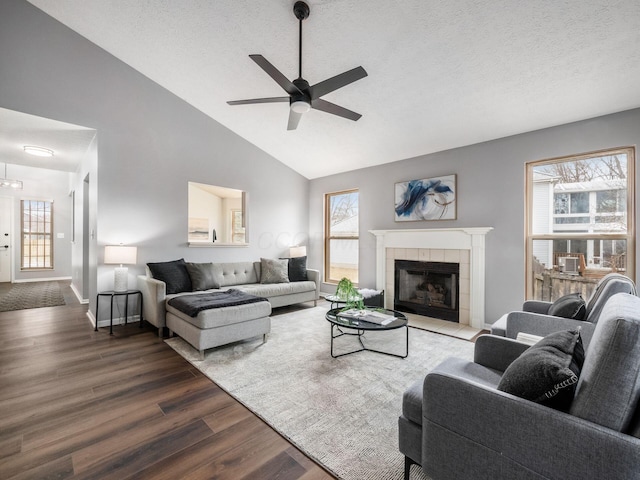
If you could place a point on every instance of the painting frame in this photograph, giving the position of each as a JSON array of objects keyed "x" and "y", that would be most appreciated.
[
  {"x": 426, "y": 199},
  {"x": 198, "y": 229}
]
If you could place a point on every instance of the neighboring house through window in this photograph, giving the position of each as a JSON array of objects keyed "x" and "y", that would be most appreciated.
[
  {"x": 341, "y": 236},
  {"x": 580, "y": 222},
  {"x": 36, "y": 242}
]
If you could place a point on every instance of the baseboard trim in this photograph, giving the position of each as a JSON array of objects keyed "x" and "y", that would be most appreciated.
[
  {"x": 91, "y": 318},
  {"x": 106, "y": 322},
  {"x": 46, "y": 279},
  {"x": 75, "y": 291},
  {"x": 117, "y": 321}
]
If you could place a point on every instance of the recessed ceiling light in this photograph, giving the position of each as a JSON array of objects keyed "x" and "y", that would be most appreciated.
[{"x": 38, "y": 151}]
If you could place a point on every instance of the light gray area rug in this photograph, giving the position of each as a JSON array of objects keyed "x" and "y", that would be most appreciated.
[
  {"x": 342, "y": 412},
  {"x": 32, "y": 295}
]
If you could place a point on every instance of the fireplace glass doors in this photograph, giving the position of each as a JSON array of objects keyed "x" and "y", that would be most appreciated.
[{"x": 427, "y": 288}]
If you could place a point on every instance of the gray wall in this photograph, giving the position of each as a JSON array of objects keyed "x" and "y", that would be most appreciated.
[
  {"x": 490, "y": 183},
  {"x": 150, "y": 144},
  {"x": 84, "y": 263}
]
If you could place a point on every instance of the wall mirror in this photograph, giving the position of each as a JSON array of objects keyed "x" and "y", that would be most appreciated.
[{"x": 217, "y": 216}]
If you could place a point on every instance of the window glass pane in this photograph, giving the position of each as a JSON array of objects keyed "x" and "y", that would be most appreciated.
[
  {"x": 586, "y": 197},
  {"x": 561, "y": 203},
  {"x": 565, "y": 203},
  {"x": 557, "y": 272},
  {"x": 578, "y": 246},
  {"x": 607, "y": 201},
  {"x": 560, "y": 246},
  {"x": 580, "y": 189},
  {"x": 342, "y": 236},
  {"x": 579, "y": 202},
  {"x": 36, "y": 245},
  {"x": 344, "y": 260},
  {"x": 613, "y": 222},
  {"x": 570, "y": 220},
  {"x": 343, "y": 220}
]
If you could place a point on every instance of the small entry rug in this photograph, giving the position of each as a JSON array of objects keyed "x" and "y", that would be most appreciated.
[
  {"x": 31, "y": 295},
  {"x": 342, "y": 412}
]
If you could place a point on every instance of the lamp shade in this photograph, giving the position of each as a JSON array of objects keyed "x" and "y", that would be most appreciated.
[
  {"x": 300, "y": 106},
  {"x": 120, "y": 254},
  {"x": 297, "y": 251}
]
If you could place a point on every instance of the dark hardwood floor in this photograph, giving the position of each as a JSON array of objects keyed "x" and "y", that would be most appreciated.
[{"x": 75, "y": 403}]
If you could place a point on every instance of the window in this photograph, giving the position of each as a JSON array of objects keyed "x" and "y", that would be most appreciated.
[
  {"x": 341, "y": 236},
  {"x": 237, "y": 230},
  {"x": 37, "y": 225},
  {"x": 579, "y": 208}
]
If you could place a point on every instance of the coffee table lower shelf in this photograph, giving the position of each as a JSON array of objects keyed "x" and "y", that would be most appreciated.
[{"x": 355, "y": 328}]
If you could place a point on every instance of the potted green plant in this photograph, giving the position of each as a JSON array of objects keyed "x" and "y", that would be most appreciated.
[{"x": 348, "y": 293}]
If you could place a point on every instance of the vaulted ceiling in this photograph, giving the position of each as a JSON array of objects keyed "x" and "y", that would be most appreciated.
[{"x": 441, "y": 74}]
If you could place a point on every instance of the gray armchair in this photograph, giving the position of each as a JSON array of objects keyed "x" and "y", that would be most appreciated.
[
  {"x": 457, "y": 425},
  {"x": 534, "y": 319}
]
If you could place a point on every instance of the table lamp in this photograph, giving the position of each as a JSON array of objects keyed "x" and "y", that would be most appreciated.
[
  {"x": 120, "y": 254},
  {"x": 297, "y": 251}
]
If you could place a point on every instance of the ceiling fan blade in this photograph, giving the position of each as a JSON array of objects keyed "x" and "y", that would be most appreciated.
[
  {"x": 329, "y": 107},
  {"x": 294, "y": 119},
  {"x": 339, "y": 81},
  {"x": 274, "y": 73},
  {"x": 259, "y": 100}
]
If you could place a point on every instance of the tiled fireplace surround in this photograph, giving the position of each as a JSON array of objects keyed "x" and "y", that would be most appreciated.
[{"x": 465, "y": 246}]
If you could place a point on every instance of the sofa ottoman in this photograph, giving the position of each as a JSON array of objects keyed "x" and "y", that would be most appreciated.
[{"x": 212, "y": 327}]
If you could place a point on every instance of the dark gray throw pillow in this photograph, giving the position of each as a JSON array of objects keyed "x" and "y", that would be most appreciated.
[
  {"x": 548, "y": 371},
  {"x": 202, "y": 276},
  {"x": 569, "y": 306},
  {"x": 298, "y": 269},
  {"x": 174, "y": 274}
]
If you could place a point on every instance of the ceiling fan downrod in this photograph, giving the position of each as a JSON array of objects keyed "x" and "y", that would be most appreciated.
[{"x": 301, "y": 11}]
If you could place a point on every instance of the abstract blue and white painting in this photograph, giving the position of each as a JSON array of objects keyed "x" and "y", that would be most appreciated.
[{"x": 426, "y": 199}]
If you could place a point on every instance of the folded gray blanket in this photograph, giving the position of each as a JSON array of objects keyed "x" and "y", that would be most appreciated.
[{"x": 194, "y": 304}]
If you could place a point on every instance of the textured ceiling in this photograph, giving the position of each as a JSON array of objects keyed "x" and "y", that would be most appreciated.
[{"x": 442, "y": 74}]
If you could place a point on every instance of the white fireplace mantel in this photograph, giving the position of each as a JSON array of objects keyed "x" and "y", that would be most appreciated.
[{"x": 471, "y": 239}]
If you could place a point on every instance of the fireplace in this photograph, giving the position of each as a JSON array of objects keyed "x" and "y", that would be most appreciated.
[
  {"x": 464, "y": 245},
  {"x": 427, "y": 288}
]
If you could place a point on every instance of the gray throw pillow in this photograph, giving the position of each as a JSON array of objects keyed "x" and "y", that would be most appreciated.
[
  {"x": 274, "y": 271},
  {"x": 202, "y": 276},
  {"x": 548, "y": 371}
]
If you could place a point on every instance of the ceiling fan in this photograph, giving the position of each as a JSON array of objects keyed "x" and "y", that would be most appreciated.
[{"x": 302, "y": 96}]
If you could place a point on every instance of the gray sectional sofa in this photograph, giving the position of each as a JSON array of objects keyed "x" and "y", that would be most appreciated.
[{"x": 244, "y": 276}]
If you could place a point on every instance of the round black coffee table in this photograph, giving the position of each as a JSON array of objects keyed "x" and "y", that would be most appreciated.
[{"x": 359, "y": 326}]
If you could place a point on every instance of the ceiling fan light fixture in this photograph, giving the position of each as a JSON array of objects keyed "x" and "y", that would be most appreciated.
[
  {"x": 38, "y": 151},
  {"x": 300, "y": 106}
]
